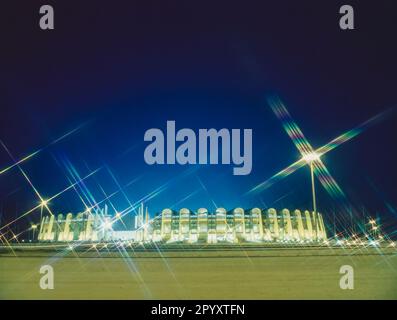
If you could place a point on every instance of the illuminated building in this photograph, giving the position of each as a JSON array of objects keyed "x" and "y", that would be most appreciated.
[
  {"x": 186, "y": 226},
  {"x": 85, "y": 226},
  {"x": 237, "y": 225}
]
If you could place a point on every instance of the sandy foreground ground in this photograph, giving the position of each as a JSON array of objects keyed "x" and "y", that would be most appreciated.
[{"x": 205, "y": 273}]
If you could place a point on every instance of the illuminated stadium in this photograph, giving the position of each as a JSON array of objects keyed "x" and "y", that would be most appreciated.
[{"x": 186, "y": 226}]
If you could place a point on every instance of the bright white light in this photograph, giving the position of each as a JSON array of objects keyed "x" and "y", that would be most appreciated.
[
  {"x": 373, "y": 243},
  {"x": 310, "y": 157},
  {"x": 44, "y": 203},
  {"x": 107, "y": 225},
  {"x": 118, "y": 215},
  {"x": 34, "y": 226}
]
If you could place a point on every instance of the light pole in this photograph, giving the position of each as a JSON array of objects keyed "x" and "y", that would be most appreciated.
[
  {"x": 34, "y": 228},
  {"x": 310, "y": 158},
  {"x": 313, "y": 187}
]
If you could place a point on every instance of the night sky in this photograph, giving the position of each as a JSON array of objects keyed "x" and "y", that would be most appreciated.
[{"x": 114, "y": 69}]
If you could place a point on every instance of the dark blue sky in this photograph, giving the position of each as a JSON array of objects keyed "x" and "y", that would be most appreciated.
[{"x": 121, "y": 68}]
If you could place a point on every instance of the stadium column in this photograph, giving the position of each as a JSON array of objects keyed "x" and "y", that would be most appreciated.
[
  {"x": 40, "y": 236},
  {"x": 315, "y": 226},
  {"x": 321, "y": 227},
  {"x": 202, "y": 224},
  {"x": 309, "y": 226},
  {"x": 244, "y": 229},
  {"x": 260, "y": 224},
  {"x": 298, "y": 217},
  {"x": 272, "y": 213},
  {"x": 66, "y": 233},
  {"x": 50, "y": 233},
  {"x": 287, "y": 225}
]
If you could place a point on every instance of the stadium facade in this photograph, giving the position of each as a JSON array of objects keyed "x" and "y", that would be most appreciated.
[{"x": 186, "y": 226}]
